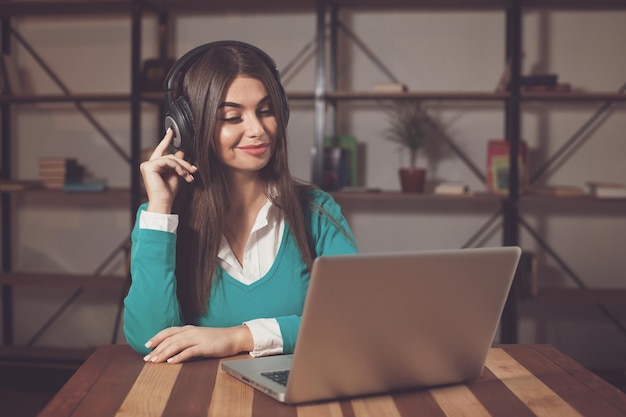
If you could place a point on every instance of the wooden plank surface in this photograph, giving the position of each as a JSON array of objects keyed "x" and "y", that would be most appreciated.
[
  {"x": 537, "y": 396},
  {"x": 150, "y": 393},
  {"x": 518, "y": 381},
  {"x": 195, "y": 382},
  {"x": 587, "y": 392}
]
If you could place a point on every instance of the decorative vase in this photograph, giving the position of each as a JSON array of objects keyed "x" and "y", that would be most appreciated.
[{"x": 412, "y": 179}]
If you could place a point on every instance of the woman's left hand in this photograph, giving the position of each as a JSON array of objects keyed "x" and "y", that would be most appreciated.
[{"x": 178, "y": 344}]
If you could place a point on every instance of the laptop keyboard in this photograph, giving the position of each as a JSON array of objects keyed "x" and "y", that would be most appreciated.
[{"x": 279, "y": 377}]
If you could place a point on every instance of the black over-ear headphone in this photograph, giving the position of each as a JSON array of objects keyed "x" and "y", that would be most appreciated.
[{"x": 178, "y": 115}]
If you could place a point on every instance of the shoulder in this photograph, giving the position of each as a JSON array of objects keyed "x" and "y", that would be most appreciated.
[
  {"x": 318, "y": 197},
  {"x": 319, "y": 205}
]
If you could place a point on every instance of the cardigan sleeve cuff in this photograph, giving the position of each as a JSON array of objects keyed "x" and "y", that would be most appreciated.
[{"x": 158, "y": 221}]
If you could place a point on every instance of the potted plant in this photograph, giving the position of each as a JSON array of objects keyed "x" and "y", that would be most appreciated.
[{"x": 411, "y": 127}]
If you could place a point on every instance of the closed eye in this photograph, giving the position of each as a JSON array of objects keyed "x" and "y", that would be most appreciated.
[
  {"x": 235, "y": 119},
  {"x": 264, "y": 109},
  {"x": 267, "y": 112}
]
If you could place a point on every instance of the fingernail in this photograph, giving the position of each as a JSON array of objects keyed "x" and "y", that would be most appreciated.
[
  {"x": 170, "y": 360},
  {"x": 154, "y": 359},
  {"x": 146, "y": 358},
  {"x": 168, "y": 130},
  {"x": 148, "y": 344},
  {"x": 194, "y": 167}
]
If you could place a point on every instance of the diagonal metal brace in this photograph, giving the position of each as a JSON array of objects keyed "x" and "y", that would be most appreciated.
[{"x": 79, "y": 106}]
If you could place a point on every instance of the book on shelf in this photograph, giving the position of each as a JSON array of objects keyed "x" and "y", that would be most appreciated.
[
  {"x": 87, "y": 185},
  {"x": 533, "y": 83},
  {"x": 609, "y": 190},
  {"x": 389, "y": 87},
  {"x": 539, "y": 79},
  {"x": 360, "y": 189},
  {"x": 340, "y": 164},
  {"x": 451, "y": 188},
  {"x": 56, "y": 162},
  {"x": 336, "y": 170},
  {"x": 154, "y": 73},
  {"x": 498, "y": 165},
  {"x": 55, "y": 172},
  {"x": 556, "y": 88}
]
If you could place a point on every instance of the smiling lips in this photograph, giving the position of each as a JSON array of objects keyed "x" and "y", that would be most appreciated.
[{"x": 255, "y": 150}]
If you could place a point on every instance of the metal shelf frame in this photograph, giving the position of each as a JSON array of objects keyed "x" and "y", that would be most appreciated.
[{"x": 327, "y": 96}]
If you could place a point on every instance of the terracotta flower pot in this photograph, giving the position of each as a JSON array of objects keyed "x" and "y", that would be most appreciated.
[{"x": 412, "y": 179}]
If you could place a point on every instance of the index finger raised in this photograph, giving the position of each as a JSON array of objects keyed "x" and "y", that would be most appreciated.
[{"x": 163, "y": 145}]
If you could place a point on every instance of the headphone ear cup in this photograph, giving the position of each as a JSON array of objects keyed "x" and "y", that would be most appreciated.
[
  {"x": 286, "y": 104},
  {"x": 179, "y": 119}
]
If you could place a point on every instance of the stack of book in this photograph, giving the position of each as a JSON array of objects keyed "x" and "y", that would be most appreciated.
[
  {"x": 606, "y": 189},
  {"x": 390, "y": 88},
  {"x": 498, "y": 165},
  {"x": 57, "y": 172},
  {"x": 341, "y": 155},
  {"x": 544, "y": 83},
  {"x": 451, "y": 188}
]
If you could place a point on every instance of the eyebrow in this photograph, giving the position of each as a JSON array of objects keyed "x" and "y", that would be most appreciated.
[{"x": 237, "y": 105}]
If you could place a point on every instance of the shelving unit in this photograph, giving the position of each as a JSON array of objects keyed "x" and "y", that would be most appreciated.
[
  {"x": 326, "y": 96},
  {"x": 513, "y": 100},
  {"x": 128, "y": 197}
]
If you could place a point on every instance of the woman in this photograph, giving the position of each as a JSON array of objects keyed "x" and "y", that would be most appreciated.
[{"x": 221, "y": 253}]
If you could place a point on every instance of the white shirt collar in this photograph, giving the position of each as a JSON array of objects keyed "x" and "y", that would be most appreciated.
[{"x": 261, "y": 248}]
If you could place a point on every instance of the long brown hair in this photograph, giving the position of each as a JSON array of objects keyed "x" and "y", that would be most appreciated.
[{"x": 202, "y": 205}]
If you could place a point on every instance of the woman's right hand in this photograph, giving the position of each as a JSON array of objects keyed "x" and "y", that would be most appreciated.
[{"x": 162, "y": 174}]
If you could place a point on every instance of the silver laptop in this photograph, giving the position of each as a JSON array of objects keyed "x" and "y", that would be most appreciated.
[{"x": 376, "y": 323}]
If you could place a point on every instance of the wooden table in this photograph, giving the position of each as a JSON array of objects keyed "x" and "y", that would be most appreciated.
[{"x": 518, "y": 381}]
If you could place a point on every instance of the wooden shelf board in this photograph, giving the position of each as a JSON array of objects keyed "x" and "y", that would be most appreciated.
[
  {"x": 573, "y": 96},
  {"x": 575, "y": 4},
  {"x": 65, "y": 98},
  {"x": 418, "y": 95},
  {"x": 57, "y": 280},
  {"x": 478, "y": 4},
  {"x": 58, "y": 7},
  {"x": 77, "y": 7},
  {"x": 532, "y": 196},
  {"x": 79, "y": 97},
  {"x": 158, "y": 97},
  {"x": 475, "y": 96},
  {"x": 392, "y": 196}
]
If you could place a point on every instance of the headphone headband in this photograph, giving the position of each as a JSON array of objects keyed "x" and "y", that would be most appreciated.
[{"x": 185, "y": 61}]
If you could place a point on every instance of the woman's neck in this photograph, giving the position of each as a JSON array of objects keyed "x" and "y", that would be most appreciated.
[
  {"x": 247, "y": 197},
  {"x": 245, "y": 192}
]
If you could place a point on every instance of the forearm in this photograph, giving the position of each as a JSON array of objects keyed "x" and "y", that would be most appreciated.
[
  {"x": 151, "y": 304},
  {"x": 289, "y": 328}
]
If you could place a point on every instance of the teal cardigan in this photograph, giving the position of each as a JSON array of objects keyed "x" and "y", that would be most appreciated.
[{"x": 151, "y": 304}]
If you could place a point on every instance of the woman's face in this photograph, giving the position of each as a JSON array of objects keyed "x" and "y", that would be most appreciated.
[{"x": 246, "y": 126}]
